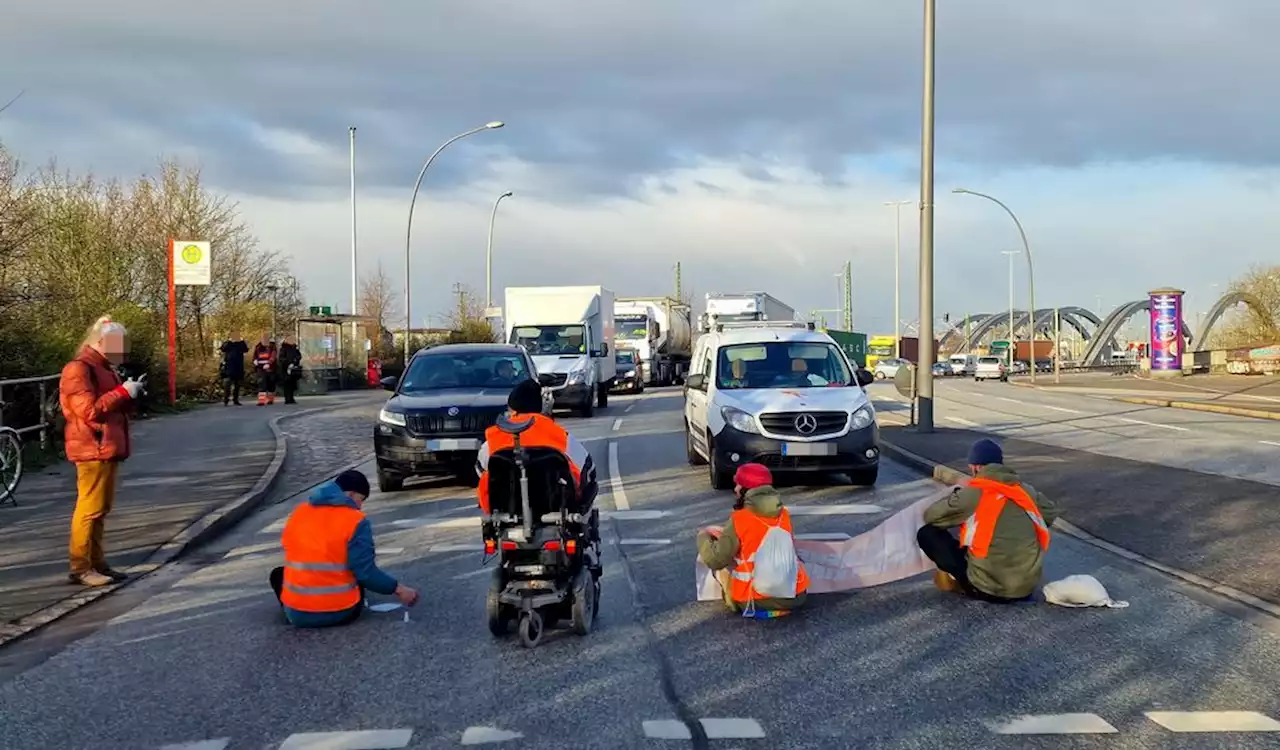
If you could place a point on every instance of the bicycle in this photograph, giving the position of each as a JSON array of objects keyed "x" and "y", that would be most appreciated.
[{"x": 10, "y": 464}]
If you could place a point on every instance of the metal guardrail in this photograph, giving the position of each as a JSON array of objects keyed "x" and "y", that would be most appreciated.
[{"x": 48, "y": 388}]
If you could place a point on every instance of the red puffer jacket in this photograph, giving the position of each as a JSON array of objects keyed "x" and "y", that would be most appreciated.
[{"x": 95, "y": 405}]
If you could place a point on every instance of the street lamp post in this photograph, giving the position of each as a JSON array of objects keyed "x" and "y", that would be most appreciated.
[
  {"x": 488, "y": 255},
  {"x": 408, "y": 235},
  {"x": 1031, "y": 279},
  {"x": 924, "y": 376},
  {"x": 1012, "y": 253},
  {"x": 273, "y": 288},
  {"x": 897, "y": 275}
]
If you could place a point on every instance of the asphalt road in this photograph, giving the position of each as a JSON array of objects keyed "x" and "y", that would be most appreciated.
[
  {"x": 1236, "y": 447},
  {"x": 209, "y": 660}
]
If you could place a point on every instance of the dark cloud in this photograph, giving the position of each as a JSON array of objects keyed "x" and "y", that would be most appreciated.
[{"x": 608, "y": 93}]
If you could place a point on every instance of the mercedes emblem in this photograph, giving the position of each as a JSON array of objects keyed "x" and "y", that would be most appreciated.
[
  {"x": 453, "y": 411},
  {"x": 806, "y": 424}
]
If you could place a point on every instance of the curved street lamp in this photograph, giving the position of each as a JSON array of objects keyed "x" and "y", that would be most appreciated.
[
  {"x": 488, "y": 254},
  {"x": 1031, "y": 280},
  {"x": 408, "y": 236}
]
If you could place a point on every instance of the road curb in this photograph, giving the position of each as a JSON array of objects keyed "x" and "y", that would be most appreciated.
[
  {"x": 1234, "y": 411},
  {"x": 202, "y": 530},
  {"x": 948, "y": 475}
]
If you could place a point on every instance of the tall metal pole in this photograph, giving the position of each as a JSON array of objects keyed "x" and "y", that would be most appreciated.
[
  {"x": 355, "y": 277},
  {"x": 679, "y": 284},
  {"x": 924, "y": 375},
  {"x": 848, "y": 294},
  {"x": 1012, "y": 348},
  {"x": 408, "y": 235},
  {"x": 1057, "y": 345},
  {"x": 488, "y": 255},
  {"x": 897, "y": 275},
  {"x": 1026, "y": 248}
]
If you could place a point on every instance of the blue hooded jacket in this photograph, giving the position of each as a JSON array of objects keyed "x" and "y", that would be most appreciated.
[{"x": 360, "y": 561}]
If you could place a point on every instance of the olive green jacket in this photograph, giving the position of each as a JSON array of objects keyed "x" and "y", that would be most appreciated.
[
  {"x": 719, "y": 553},
  {"x": 1014, "y": 561}
]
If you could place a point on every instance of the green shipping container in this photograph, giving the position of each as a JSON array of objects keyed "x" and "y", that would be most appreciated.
[{"x": 853, "y": 344}]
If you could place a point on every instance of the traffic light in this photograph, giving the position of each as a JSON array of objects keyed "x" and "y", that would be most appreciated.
[{"x": 946, "y": 317}]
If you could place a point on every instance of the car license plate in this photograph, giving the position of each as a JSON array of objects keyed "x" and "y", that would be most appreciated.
[
  {"x": 453, "y": 445},
  {"x": 808, "y": 449}
]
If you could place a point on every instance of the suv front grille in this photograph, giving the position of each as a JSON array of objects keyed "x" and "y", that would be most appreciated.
[
  {"x": 784, "y": 422},
  {"x": 467, "y": 423}
]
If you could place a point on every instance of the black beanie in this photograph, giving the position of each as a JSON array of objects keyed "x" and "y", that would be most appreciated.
[
  {"x": 352, "y": 481},
  {"x": 526, "y": 398}
]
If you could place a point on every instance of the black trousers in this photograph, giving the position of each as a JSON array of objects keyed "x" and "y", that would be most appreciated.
[
  {"x": 277, "y": 585},
  {"x": 290, "y": 387},
  {"x": 266, "y": 382},
  {"x": 945, "y": 551},
  {"x": 231, "y": 388}
]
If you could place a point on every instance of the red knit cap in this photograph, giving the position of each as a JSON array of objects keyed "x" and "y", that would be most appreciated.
[{"x": 750, "y": 476}]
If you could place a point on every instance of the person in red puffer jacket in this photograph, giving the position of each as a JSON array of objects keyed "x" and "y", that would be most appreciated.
[{"x": 96, "y": 405}]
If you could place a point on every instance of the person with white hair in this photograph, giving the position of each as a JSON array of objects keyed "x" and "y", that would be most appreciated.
[{"x": 96, "y": 405}]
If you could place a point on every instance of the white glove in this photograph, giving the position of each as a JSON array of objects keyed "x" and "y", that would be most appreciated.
[{"x": 136, "y": 386}]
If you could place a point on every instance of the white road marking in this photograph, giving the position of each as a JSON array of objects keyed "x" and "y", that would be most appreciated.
[
  {"x": 1010, "y": 400},
  {"x": 666, "y": 729},
  {"x": 617, "y": 423},
  {"x": 1270, "y": 442},
  {"x": 454, "y": 548},
  {"x": 837, "y": 537},
  {"x": 1214, "y": 721},
  {"x": 629, "y": 408},
  {"x": 253, "y": 549},
  {"x": 218, "y": 744},
  {"x": 615, "y": 478},
  {"x": 732, "y": 729},
  {"x": 633, "y": 515},
  {"x": 376, "y": 739},
  {"x": 961, "y": 420},
  {"x": 639, "y": 541},
  {"x": 1056, "y": 724},
  {"x": 1062, "y": 409},
  {"x": 1153, "y": 424},
  {"x": 834, "y": 510},
  {"x": 487, "y": 735},
  {"x": 390, "y": 550},
  {"x": 437, "y": 523},
  {"x": 473, "y": 574}
]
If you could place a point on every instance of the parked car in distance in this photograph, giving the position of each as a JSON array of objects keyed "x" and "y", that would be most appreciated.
[
  {"x": 888, "y": 368},
  {"x": 962, "y": 364},
  {"x": 990, "y": 368},
  {"x": 942, "y": 370},
  {"x": 1044, "y": 365}
]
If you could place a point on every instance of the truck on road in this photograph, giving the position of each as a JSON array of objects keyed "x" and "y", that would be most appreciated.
[
  {"x": 882, "y": 347},
  {"x": 660, "y": 331},
  {"x": 735, "y": 307},
  {"x": 568, "y": 330}
]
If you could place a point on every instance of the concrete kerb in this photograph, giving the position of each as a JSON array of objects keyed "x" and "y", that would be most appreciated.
[
  {"x": 202, "y": 530},
  {"x": 1234, "y": 411},
  {"x": 950, "y": 476}
]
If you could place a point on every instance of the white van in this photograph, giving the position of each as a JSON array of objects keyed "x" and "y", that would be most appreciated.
[
  {"x": 780, "y": 394},
  {"x": 963, "y": 364}
]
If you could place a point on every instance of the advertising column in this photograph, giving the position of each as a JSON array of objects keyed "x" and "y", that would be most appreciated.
[{"x": 1166, "y": 331}]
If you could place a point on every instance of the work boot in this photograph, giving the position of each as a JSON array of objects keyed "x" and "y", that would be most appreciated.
[
  {"x": 91, "y": 578},
  {"x": 945, "y": 582},
  {"x": 113, "y": 574}
]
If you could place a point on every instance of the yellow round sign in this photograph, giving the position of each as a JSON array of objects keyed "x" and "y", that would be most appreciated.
[{"x": 191, "y": 254}]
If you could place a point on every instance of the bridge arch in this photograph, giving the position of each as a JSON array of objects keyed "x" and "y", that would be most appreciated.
[
  {"x": 981, "y": 324},
  {"x": 1228, "y": 301}
]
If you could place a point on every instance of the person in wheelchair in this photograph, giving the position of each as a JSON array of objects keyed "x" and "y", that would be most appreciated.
[{"x": 525, "y": 402}]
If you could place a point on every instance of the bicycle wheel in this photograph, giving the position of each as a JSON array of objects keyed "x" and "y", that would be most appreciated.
[{"x": 10, "y": 463}]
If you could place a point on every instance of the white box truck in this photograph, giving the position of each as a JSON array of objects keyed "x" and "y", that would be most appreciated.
[
  {"x": 659, "y": 330},
  {"x": 568, "y": 330},
  {"x": 736, "y": 307}
]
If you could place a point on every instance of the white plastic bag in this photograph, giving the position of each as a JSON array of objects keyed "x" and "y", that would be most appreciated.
[
  {"x": 1080, "y": 591},
  {"x": 776, "y": 565}
]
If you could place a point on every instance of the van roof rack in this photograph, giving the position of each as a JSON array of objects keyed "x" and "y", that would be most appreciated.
[{"x": 794, "y": 324}]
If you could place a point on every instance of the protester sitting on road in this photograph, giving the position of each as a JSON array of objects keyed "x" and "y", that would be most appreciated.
[
  {"x": 754, "y": 555},
  {"x": 1003, "y": 531},
  {"x": 525, "y": 402},
  {"x": 95, "y": 404},
  {"x": 329, "y": 557}
]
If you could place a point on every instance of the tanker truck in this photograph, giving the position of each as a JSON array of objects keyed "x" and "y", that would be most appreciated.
[{"x": 658, "y": 330}]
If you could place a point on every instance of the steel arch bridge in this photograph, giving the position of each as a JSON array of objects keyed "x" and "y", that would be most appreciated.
[{"x": 962, "y": 336}]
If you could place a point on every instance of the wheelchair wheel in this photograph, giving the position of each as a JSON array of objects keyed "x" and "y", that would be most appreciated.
[
  {"x": 531, "y": 629},
  {"x": 499, "y": 617},
  {"x": 585, "y": 592}
]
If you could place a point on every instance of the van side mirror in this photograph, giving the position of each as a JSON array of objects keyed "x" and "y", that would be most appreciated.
[
  {"x": 697, "y": 382},
  {"x": 864, "y": 377},
  {"x": 390, "y": 382}
]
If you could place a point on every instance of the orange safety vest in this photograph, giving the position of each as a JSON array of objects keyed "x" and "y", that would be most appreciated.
[
  {"x": 976, "y": 532},
  {"x": 316, "y": 576},
  {"x": 751, "y": 529},
  {"x": 544, "y": 433}
]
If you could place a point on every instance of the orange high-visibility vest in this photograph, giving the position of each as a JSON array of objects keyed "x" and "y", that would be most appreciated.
[
  {"x": 544, "y": 433},
  {"x": 751, "y": 529},
  {"x": 976, "y": 532},
  {"x": 316, "y": 576}
]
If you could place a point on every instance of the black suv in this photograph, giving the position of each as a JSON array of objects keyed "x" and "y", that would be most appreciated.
[{"x": 449, "y": 395}]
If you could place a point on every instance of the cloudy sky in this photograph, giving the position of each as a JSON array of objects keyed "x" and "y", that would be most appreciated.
[{"x": 755, "y": 141}]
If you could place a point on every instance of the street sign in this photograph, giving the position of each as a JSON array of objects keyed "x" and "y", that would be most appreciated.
[
  {"x": 493, "y": 312},
  {"x": 191, "y": 265},
  {"x": 321, "y": 310},
  {"x": 905, "y": 380}
]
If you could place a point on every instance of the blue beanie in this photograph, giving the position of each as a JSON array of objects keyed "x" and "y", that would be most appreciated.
[{"x": 985, "y": 452}]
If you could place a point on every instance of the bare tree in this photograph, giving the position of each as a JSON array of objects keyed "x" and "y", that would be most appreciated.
[
  {"x": 379, "y": 297},
  {"x": 467, "y": 323}
]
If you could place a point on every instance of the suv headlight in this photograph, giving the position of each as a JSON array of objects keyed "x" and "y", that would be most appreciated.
[
  {"x": 739, "y": 420},
  {"x": 863, "y": 417},
  {"x": 391, "y": 417}
]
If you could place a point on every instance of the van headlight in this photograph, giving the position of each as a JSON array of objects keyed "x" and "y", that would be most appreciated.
[
  {"x": 861, "y": 418},
  {"x": 578, "y": 375},
  {"x": 391, "y": 417},
  {"x": 739, "y": 420}
]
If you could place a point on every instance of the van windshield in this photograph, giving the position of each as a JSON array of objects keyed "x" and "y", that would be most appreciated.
[
  {"x": 781, "y": 364},
  {"x": 569, "y": 339}
]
